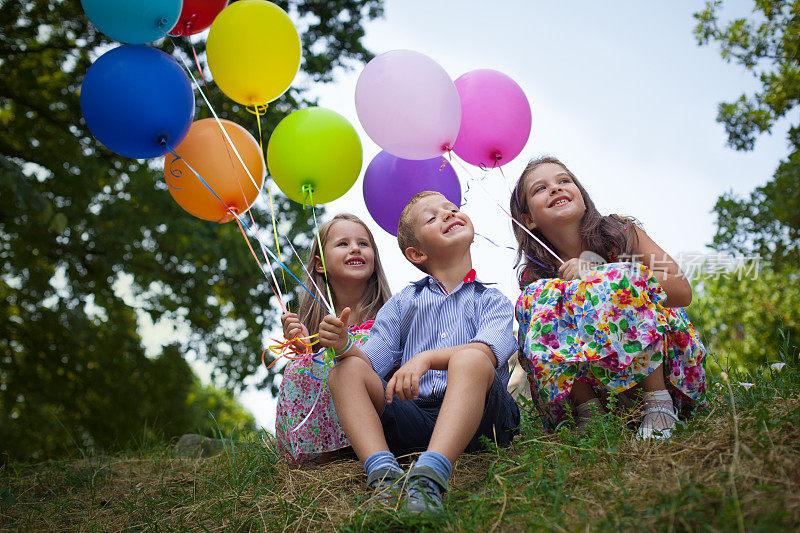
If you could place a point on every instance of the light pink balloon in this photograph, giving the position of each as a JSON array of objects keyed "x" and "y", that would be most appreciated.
[
  {"x": 495, "y": 118},
  {"x": 408, "y": 105}
]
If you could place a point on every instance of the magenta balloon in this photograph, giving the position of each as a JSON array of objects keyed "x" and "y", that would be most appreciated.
[
  {"x": 495, "y": 118},
  {"x": 390, "y": 182},
  {"x": 408, "y": 105}
]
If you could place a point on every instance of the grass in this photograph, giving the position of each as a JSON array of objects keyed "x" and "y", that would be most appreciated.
[{"x": 734, "y": 467}]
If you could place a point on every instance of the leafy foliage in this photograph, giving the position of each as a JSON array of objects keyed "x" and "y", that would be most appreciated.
[
  {"x": 745, "y": 318},
  {"x": 90, "y": 242},
  {"x": 768, "y": 44}
]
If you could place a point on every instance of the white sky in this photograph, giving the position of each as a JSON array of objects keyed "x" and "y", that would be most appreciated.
[{"x": 619, "y": 91}]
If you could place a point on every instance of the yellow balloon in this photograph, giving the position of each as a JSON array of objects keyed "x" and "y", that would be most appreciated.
[{"x": 253, "y": 51}]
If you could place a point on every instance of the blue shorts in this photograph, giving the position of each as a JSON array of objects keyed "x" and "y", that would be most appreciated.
[{"x": 408, "y": 426}]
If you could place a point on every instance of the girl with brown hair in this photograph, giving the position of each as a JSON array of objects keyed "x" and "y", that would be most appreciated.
[{"x": 608, "y": 324}]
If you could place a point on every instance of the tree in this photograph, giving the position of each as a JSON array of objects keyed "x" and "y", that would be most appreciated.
[
  {"x": 743, "y": 316},
  {"x": 90, "y": 240},
  {"x": 768, "y": 44}
]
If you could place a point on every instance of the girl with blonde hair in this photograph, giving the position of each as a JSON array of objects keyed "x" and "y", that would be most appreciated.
[{"x": 306, "y": 424}]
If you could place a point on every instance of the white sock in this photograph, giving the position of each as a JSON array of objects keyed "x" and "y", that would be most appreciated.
[{"x": 653, "y": 418}]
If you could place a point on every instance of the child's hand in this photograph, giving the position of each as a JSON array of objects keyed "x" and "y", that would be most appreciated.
[
  {"x": 405, "y": 382},
  {"x": 572, "y": 269},
  {"x": 333, "y": 331},
  {"x": 292, "y": 327}
]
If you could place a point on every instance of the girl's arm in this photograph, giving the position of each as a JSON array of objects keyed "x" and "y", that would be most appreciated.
[{"x": 665, "y": 269}]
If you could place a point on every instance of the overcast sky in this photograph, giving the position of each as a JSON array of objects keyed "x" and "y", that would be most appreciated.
[{"x": 619, "y": 91}]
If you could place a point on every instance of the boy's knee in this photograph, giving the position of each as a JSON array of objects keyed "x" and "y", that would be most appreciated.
[{"x": 473, "y": 362}]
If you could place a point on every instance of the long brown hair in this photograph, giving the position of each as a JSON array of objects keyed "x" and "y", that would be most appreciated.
[
  {"x": 377, "y": 293},
  {"x": 604, "y": 235}
]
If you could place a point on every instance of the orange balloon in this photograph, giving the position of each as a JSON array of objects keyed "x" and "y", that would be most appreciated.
[{"x": 206, "y": 150}]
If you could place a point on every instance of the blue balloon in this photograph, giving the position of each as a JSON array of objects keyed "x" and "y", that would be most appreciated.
[
  {"x": 137, "y": 101},
  {"x": 390, "y": 182},
  {"x": 133, "y": 21}
]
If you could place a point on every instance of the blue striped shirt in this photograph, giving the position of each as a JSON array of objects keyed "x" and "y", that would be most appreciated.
[{"x": 423, "y": 316}]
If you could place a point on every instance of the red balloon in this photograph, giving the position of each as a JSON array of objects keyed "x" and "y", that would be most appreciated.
[{"x": 197, "y": 15}]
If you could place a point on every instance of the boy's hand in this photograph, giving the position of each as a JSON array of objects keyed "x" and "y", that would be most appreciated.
[
  {"x": 405, "y": 382},
  {"x": 333, "y": 331},
  {"x": 292, "y": 327}
]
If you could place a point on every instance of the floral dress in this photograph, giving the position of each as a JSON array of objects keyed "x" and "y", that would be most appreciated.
[
  {"x": 610, "y": 330},
  {"x": 306, "y": 424}
]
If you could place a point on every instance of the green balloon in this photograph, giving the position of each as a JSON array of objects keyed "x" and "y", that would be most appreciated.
[{"x": 314, "y": 155}]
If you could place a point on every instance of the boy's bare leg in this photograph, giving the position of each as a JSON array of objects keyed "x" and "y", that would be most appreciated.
[
  {"x": 358, "y": 397},
  {"x": 469, "y": 378}
]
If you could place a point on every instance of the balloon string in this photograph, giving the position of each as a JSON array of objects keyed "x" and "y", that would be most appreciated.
[
  {"x": 505, "y": 180},
  {"x": 177, "y": 157},
  {"x": 175, "y": 172},
  {"x": 496, "y": 165},
  {"x": 313, "y": 406},
  {"x": 261, "y": 244},
  {"x": 285, "y": 307},
  {"x": 529, "y": 258},
  {"x": 241, "y": 188},
  {"x": 197, "y": 61},
  {"x": 470, "y": 179},
  {"x": 323, "y": 382},
  {"x": 514, "y": 220},
  {"x": 269, "y": 190},
  {"x": 233, "y": 212},
  {"x": 216, "y": 117},
  {"x": 257, "y": 236},
  {"x": 309, "y": 190},
  {"x": 233, "y": 146},
  {"x": 290, "y": 346},
  {"x": 258, "y": 261},
  {"x": 308, "y": 274},
  {"x": 255, "y": 233}
]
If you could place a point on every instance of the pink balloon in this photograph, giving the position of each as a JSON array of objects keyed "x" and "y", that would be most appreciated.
[
  {"x": 495, "y": 118},
  {"x": 408, "y": 105}
]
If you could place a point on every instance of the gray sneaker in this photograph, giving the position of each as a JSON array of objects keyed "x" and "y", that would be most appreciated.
[
  {"x": 425, "y": 490},
  {"x": 387, "y": 486}
]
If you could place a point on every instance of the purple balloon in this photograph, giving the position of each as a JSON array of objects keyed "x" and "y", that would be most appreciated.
[
  {"x": 495, "y": 118},
  {"x": 390, "y": 182}
]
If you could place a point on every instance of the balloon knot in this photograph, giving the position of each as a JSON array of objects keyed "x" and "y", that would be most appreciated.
[
  {"x": 230, "y": 215},
  {"x": 162, "y": 22},
  {"x": 260, "y": 109},
  {"x": 308, "y": 195}
]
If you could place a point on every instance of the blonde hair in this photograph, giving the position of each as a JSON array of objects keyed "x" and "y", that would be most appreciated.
[
  {"x": 376, "y": 294},
  {"x": 406, "y": 234}
]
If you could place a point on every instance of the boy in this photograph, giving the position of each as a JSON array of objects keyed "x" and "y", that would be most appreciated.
[{"x": 453, "y": 337}]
